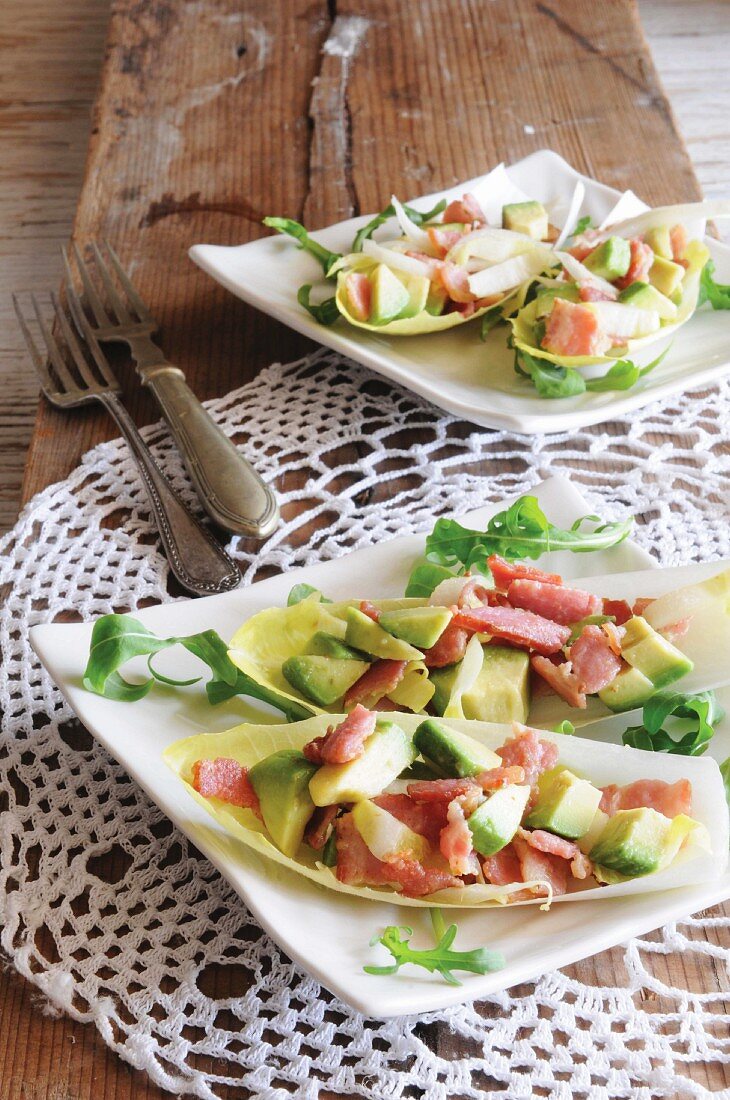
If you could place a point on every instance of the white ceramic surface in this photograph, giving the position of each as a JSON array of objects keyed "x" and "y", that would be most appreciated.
[
  {"x": 455, "y": 370},
  {"x": 326, "y": 933}
]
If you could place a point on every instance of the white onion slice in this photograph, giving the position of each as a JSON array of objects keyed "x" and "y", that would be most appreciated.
[
  {"x": 409, "y": 228},
  {"x": 624, "y": 208},
  {"x": 572, "y": 216},
  {"x": 505, "y": 276},
  {"x": 624, "y": 321},
  {"x": 583, "y": 274},
  {"x": 490, "y": 243},
  {"x": 466, "y": 677},
  {"x": 409, "y": 264},
  {"x": 447, "y": 593}
]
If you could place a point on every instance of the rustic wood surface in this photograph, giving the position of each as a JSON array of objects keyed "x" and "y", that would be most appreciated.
[{"x": 206, "y": 121}]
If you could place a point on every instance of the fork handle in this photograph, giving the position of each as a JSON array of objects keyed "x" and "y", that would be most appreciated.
[
  {"x": 198, "y": 562},
  {"x": 230, "y": 490}
]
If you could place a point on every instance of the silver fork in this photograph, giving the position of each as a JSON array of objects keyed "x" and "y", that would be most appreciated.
[
  {"x": 230, "y": 490},
  {"x": 72, "y": 376}
]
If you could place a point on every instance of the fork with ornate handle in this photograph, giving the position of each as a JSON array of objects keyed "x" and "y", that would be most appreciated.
[
  {"x": 198, "y": 562},
  {"x": 230, "y": 490}
]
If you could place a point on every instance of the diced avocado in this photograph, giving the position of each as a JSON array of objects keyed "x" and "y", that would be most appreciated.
[
  {"x": 420, "y": 626},
  {"x": 632, "y": 842},
  {"x": 586, "y": 842},
  {"x": 386, "y": 836},
  {"x": 565, "y": 805},
  {"x": 644, "y": 648},
  {"x": 415, "y": 690},
  {"x": 611, "y": 259},
  {"x": 323, "y": 644},
  {"x": 281, "y": 782},
  {"x": 386, "y": 753},
  {"x": 495, "y": 822},
  {"x": 627, "y": 691},
  {"x": 665, "y": 275},
  {"x": 329, "y": 852},
  {"x": 324, "y": 680},
  {"x": 660, "y": 241},
  {"x": 364, "y": 633},
  {"x": 546, "y": 295},
  {"x": 436, "y": 301},
  {"x": 389, "y": 296},
  {"x": 644, "y": 296},
  {"x": 418, "y": 287},
  {"x": 501, "y": 692},
  {"x": 453, "y": 753},
  {"x": 526, "y": 217}
]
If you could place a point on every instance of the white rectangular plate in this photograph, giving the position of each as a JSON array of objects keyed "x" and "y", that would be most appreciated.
[
  {"x": 327, "y": 933},
  {"x": 455, "y": 370}
]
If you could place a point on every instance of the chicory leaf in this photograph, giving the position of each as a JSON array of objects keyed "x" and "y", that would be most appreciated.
[{"x": 301, "y": 236}]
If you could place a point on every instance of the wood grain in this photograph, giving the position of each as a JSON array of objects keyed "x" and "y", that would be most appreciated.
[{"x": 207, "y": 120}]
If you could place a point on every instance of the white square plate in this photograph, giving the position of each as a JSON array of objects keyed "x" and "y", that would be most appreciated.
[
  {"x": 455, "y": 370},
  {"x": 328, "y": 933}
]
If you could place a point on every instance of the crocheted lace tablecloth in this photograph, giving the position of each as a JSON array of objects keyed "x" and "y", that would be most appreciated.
[{"x": 134, "y": 951}]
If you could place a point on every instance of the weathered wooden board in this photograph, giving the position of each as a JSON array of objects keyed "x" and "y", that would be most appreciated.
[{"x": 208, "y": 119}]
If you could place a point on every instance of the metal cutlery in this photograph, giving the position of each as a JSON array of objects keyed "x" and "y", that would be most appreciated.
[
  {"x": 75, "y": 372},
  {"x": 230, "y": 490}
]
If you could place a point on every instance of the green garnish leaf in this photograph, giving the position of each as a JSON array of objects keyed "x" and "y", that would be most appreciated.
[
  {"x": 581, "y": 225},
  {"x": 325, "y": 313},
  {"x": 425, "y": 578},
  {"x": 168, "y": 680},
  {"x": 416, "y": 216},
  {"x": 695, "y": 719},
  {"x": 301, "y": 236},
  {"x": 590, "y": 620},
  {"x": 490, "y": 320},
  {"x": 218, "y": 691},
  {"x": 549, "y": 379},
  {"x": 717, "y": 294},
  {"x": 565, "y": 727},
  {"x": 623, "y": 374},
  {"x": 725, "y": 773},
  {"x": 302, "y": 592},
  {"x": 440, "y": 959}
]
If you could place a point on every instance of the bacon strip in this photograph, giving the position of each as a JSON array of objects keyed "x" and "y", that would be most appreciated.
[
  {"x": 542, "y": 841},
  {"x": 504, "y": 572},
  {"x": 443, "y": 790},
  {"x": 425, "y": 818},
  {"x": 494, "y": 778},
  {"x": 520, "y": 627},
  {"x": 227, "y": 780},
  {"x": 345, "y": 742},
  {"x": 619, "y": 609},
  {"x": 525, "y": 750},
  {"x": 561, "y": 679},
  {"x": 379, "y": 679},
  {"x": 503, "y": 867},
  {"x": 357, "y": 866},
  {"x": 319, "y": 826},
  {"x": 370, "y": 610},
  {"x": 465, "y": 209},
  {"x": 669, "y": 799},
  {"x": 535, "y": 864},
  {"x": 595, "y": 664},
  {"x": 557, "y": 603},
  {"x": 449, "y": 648},
  {"x": 455, "y": 842}
]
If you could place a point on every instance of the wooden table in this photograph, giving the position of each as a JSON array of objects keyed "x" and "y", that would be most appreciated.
[{"x": 208, "y": 119}]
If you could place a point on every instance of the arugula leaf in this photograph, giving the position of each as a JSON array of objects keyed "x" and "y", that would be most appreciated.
[
  {"x": 521, "y": 531},
  {"x": 326, "y": 312},
  {"x": 490, "y": 320},
  {"x": 549, "y": 379},
  {"x": 218, "y": 691},
  {"x": 416, "y": 216},
  {"x": 299, "y": 233},
  {"x": 702, "y": 710},
  {"x": 623, "y": 374},
  {"x": 582, "y": 224},
  {"x": 717, "y": 294},
  {"x": 439, "y": 959},
  {"x": 725, "y": 773},
  {"x": 425, "y": 578},
  {"x": 301, "y": 592}
]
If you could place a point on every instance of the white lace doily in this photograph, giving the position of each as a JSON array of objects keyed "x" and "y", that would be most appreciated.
[{"x": 135, "y": 951}]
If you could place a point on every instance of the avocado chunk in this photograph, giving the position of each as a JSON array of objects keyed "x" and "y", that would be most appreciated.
[
  {"x": 644, "y": 648},
  {"x": 324, "y": 680},
  {"x": 629, "y": 690},
  {"x": 644, "y": 296},
  {"x": 660, "y": 241},
  {"x": 454, "y": 754},
  {"x": 586, "y": 842},
  {"x": 418, "y": 287},
  {"x": 565, "y": 805},
  {"x": 281, "y": 782},
  {"x": 546, "y": 296},
  {"x": 436, "y": 300},
  {"x": 495, "y": 822},
  {"x": 386, "y": 836},
  {"x": 323, "y": 644},
  {"x": 365, "y": 634},
  {"x": 526, "y": 217},
  {"x": 389, "y": 296},
  {"x": 611, "y": 259},
  {"x": 501, "y": 692},
  {"x": 666, "y": 276},
  {"x": 387, "y": 752},
  {"x": 420, "y": 626},
  {"x": 632, "y": 842}
]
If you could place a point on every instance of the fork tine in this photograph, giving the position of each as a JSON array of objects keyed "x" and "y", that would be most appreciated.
[
  {"x": 117, "y": 304},
  {"x": 54, "y": 352},
  {"x": 73, "y": 345},
  {"x": 38, "y": 361},
  {"x": 102, "y": 318},
  {"x": 132, "y": 293},
  {"x": 84, "y": 329}
]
